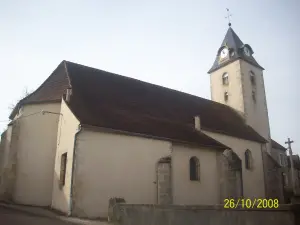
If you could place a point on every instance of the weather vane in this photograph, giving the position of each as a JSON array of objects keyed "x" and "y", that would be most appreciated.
[{"x": 228, "y": 17}]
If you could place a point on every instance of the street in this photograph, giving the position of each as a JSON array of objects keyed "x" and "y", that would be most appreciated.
[{"x": 15, "y": 217}]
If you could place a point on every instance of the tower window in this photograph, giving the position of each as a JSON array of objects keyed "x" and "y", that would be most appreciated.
[
  {"x": 226, "y": 96},
  {"x": 252, "y": 77},
  {"x": 254, "y": 96},
  {"x": 225, "y": 80}
]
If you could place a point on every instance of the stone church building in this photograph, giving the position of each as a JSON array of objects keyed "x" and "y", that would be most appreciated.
[{"x": 87, "y": 135}]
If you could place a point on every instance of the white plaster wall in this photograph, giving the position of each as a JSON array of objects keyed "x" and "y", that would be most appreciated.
[
  {"x": 2, "y": 149},
  {"x": 234, "y": 88},
  {"x": 6, "y": 164},
  {"x": 256, "y": 112},
  {"x": 113, "y": 165},
  {"x": 36, "y": 145},
  {"x": 67, "y": 128},
  {"x": 240, "y": 94},
  {"x": 5, "y": 148},
  {"x": 185, "y": 191},
  {"x": 253, "y": 180}
]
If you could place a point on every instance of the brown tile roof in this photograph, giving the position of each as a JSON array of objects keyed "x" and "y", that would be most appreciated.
[
  {"x": 104, "y": 99},
  {"x": 276, "y": 145}
]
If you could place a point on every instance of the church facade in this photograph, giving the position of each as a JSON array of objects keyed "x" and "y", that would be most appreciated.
[{"x": 87, "y": 135}]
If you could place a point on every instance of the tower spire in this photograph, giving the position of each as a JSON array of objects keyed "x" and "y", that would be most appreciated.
[{"x": 228, "y": 17}]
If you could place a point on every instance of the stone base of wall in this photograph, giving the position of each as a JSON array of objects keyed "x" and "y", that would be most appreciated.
[
  {"x": 126, "y": 214},
  {"x": 6, "y": 186}
]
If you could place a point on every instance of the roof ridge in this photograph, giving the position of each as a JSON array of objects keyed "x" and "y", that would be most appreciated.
[
  {"x": 148, "y": 83},
  {"x": 67, "y": 72}
]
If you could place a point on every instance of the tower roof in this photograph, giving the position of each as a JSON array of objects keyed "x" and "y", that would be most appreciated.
[{"x": 236, "y": 51}]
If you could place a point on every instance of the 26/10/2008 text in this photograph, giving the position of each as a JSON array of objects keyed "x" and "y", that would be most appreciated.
[{"x": 259, "y": 203}]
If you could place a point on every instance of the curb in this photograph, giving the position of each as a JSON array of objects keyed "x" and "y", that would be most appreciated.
[
  {"x": 9, "y": 206},
  {"x": 71, "y": 220}
]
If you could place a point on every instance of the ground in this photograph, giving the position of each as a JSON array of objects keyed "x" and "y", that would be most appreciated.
[{"x": 9, "y": 216}]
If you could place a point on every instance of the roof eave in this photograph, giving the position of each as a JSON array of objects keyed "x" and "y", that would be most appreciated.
[
  {"x": 253, "y": 64},
  {"x": 277, "y": 145},
  {"x": 219, "y": 145},
  {"x": 215, "y": 68},
  {"x": 14, "y": 111},
  {"x": 260, "y": 139}
]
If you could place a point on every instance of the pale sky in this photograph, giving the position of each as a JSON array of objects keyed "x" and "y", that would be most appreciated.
[{"x": 169, "y": 43}]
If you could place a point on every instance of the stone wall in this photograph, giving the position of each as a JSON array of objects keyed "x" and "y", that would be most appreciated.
[
  {"x": 164, "y": 187},
  {"x": 2, "y": 150},
  {"x": 273, "y": 178},
  {"x": 9, "y": 162},
  {"x": 126, "y": 214}
]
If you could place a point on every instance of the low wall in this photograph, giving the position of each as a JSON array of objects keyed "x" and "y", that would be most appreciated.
[{"x": 126, "y": 214}]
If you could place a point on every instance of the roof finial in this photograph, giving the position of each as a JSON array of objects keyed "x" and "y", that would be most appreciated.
[{"x": 228, "y": 17}]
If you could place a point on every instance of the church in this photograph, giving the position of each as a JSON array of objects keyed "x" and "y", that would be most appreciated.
[{"x": 87, "y": 135}]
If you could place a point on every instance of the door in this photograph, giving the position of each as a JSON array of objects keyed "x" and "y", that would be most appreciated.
[{"x": 164, "y": 190}]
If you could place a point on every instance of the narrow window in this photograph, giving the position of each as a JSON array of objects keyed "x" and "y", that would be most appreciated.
[
  {"x": 254, "y": 96},
  {"x": 225, "y": 79},
  {"x": 285, "y": 180},
  {"x": 194, "y": 168},
  {"x": 226, "y": 96},
  {"x": 248, "y": 159},
  {"x": 63, "y": 164},
  {"x": 252, "y": 78},
  {"x": 281, "y": 159}
]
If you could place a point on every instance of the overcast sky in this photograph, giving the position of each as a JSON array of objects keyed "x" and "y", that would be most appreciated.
[{"x": 169, "y": 43}]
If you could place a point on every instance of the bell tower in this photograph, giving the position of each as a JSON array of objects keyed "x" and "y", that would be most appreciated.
[{"x": 237, "y": 80}]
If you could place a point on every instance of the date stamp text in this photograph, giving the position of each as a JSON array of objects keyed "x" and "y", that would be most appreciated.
[{"x": 256, "y": 203}]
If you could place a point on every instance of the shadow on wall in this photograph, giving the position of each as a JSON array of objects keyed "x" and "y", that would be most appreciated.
[
  {"x": 8, "y": 162},
  {"x": 60, "y": 195}
]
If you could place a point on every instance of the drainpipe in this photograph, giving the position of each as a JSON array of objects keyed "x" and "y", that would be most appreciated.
[{"x": 73, "y": 169}]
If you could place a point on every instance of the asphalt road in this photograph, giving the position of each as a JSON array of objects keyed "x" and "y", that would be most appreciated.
[{"x": 14, "y": 217}]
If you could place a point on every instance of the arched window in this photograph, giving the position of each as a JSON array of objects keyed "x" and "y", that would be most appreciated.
[
  {"x": 225, "y": 79},
  {"x": 252, "y": 77},
  {"x": 194, "y": 168},
  {"x": 226, "y": 96},
  {"x": 248, "y": 159}
]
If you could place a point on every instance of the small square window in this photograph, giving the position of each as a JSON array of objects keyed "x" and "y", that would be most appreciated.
[{"x": 225, "y": 79}]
